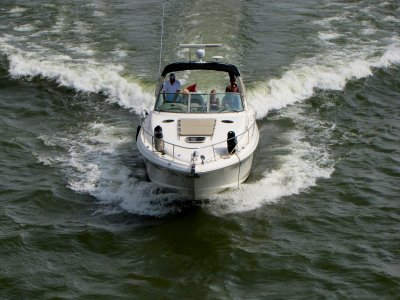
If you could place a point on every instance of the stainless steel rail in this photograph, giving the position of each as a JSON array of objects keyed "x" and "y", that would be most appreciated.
[{"x": 151, "y": 137}]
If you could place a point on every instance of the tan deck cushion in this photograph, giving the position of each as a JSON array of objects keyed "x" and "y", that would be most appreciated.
[{"x": 196, "y": 127}]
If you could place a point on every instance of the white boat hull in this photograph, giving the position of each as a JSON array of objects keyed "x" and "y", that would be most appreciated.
[
  {"x": 200, "y": 186},
  {"x": 199, "y": 143}
]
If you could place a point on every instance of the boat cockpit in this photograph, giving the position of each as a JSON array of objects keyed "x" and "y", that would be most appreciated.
[{"x": 199, "y": 103}]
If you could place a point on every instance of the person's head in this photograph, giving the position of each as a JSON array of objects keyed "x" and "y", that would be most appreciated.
[
  {"x": 234, "y": 87},
  {"x": 213, "y": 96},
  {"x": 172, "y": 77}
]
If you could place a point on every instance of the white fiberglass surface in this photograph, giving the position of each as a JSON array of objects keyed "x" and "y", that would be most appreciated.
[{"x": 212, "y": 147}]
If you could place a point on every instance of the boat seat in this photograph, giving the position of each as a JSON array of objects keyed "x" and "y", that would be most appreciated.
[
  {"x": 196, "y": 127},
  {"x": 198, "y": 99}
]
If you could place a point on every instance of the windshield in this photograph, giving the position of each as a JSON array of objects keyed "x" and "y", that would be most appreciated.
[{"x": 199, "y": 103}]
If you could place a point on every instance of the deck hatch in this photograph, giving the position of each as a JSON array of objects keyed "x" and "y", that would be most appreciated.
[{"x": 196, "y": 127}]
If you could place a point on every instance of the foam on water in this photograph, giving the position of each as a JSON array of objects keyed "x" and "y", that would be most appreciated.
[
  {"x": 25, "y": 28},
  {"x": 326, "y": 73},
  {"x": 327, "y": 36},
  {"x": 327, "y": 21},
  {"x": 17, "y": 10},
  {"x": 81, "y": 28},
  {"x": 92, "y": 165},
  {"x": 82, "y": 75},
  {"x": 390, "y": 57},
  {"x": 298, "y": 171},
  {"x": 391, "y": 19},
  {"x": 98, "y": 14},
  {"x": 368, "y": 31}
]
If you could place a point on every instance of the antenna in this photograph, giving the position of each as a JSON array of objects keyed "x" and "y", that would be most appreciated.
[
  {"x": 200, "y": 52},
  {"x": 161, "y": 39}
]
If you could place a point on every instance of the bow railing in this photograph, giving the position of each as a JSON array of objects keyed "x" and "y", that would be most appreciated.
[{"x": 171, "y": 148}]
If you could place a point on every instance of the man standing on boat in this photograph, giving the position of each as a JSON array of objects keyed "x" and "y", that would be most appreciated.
[{"x": 171, "y": 88}]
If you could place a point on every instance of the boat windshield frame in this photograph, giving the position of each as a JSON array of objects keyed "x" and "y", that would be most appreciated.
[{"x": 199, "y": 102}]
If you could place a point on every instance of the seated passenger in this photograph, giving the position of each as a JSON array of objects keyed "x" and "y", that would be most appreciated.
[
  {"x": 214, "y": 101},
  {"x": 231, "y": 101},
  {"x": 186, "y": 91},
  {"x": 185, "y": 96}
]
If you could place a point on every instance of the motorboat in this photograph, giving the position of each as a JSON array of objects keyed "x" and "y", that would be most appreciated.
[{"x": 199, "y": 141}]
